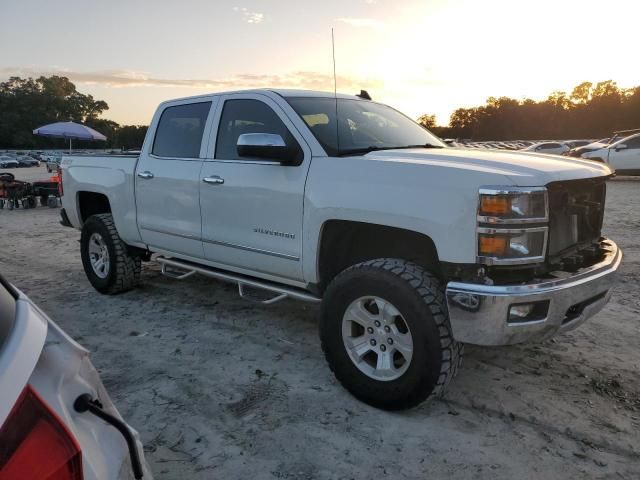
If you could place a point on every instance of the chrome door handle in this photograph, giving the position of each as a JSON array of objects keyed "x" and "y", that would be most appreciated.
[
  {"x": 145, "y": 174},
  {"x": 215, "y": 180}
]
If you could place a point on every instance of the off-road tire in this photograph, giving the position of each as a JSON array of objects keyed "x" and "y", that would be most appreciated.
[
  {"x": 419, "y": 297},
  {"x": 124, "y": 267},
  {"x": 44, "y": 200}
]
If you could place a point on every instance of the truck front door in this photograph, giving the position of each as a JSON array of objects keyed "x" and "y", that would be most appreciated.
[
  {"x": 168, "y": 176},
  {"x": 252, "y": 208}
]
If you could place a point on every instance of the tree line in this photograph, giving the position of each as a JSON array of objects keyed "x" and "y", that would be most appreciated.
[
  {"x": 589, "y": 111},
  {"x": 27, "y": 103}
]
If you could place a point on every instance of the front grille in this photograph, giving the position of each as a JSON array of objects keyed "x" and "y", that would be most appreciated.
[{"x": 576, "y": 209}]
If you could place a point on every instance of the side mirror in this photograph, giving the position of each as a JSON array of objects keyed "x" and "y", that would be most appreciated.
[
  {"x": 622, "y": 146},
  {"x": 265, "y": 145}
]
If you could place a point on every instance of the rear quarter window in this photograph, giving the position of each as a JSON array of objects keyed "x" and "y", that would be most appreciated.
[{"x": 180, "y": 129}]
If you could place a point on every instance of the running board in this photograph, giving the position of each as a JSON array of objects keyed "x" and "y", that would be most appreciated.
[{"x": 180, "y": 269}]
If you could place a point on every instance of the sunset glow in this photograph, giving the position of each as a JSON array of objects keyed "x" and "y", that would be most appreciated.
[{"x": 421, "y": 57}]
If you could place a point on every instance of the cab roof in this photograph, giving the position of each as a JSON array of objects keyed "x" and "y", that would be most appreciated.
[{"x": 283, "y": 92}]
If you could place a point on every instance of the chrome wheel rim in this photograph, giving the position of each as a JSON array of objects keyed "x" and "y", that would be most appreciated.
[
  {"x": 99, "y": 255},
  {"x": 377, "y": 338}
]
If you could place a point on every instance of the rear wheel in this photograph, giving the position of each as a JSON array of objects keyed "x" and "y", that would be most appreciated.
[
  {"x": 386, "y": 334},
  {"x": 106, "y": 259}
]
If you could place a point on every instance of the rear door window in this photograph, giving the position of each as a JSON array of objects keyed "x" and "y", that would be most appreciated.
[{"x": 180, "y": 129}]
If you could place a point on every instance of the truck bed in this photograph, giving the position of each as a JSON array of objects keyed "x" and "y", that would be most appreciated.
[{"x": 109, "y": 175}]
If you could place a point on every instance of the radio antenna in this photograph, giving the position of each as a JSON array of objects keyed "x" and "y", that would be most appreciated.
[
  {"x": 333, "y": 52},
  {"x": 335, "y": 88}
]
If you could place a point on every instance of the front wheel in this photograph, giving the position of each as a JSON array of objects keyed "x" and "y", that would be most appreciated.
[
  {"x": 109, "y": 265},
  {"x": 386, "y": 334}
]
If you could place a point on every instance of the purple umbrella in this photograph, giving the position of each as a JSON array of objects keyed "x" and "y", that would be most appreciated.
[{"x": 69, "y": 130}]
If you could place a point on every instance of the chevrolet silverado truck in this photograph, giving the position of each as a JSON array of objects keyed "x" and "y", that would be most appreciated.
[{"x": 413, "y": 248}]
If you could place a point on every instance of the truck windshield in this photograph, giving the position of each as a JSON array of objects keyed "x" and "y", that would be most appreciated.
[{"x": 363, "y": 126}]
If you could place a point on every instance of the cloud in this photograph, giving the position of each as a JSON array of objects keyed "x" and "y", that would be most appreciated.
[
  {"x": 249, "y": 16},
  {"x": 309, "y": 80},
  {"x": 361, "y": 22}
]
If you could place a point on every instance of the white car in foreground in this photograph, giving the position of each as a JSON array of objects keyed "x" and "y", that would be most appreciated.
[
  {"x": 56, "y": 418},
  {"x": 623, "y": 155},
  {"x": 554, "y": 148}
]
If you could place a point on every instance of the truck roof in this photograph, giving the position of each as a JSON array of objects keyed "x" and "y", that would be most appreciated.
[
  {"x": 283, "y": 92},
  {"x": 309, "y": 93}
]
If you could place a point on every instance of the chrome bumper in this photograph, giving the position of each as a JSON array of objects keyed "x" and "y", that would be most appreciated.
[{"x": 479, "y": 314}]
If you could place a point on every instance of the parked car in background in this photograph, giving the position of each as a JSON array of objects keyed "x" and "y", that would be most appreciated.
[
  {"x": 578, "y": 151},
  {"x": 8, "y": 162},
  {"x": 554, "y": 148},
  {"x": 53, "y": 163},
  {"x": 27, "y": 161},
  {"x": 623, "y": 155},
  {"x": 577, "y": 143},
  {"x": 56, "y": 418},
  {"x": 37, "y": 155}
]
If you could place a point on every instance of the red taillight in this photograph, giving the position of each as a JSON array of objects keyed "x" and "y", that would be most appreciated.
[
  {"x": 36, "y": 445},
  {"x": 60, "y": 189}
]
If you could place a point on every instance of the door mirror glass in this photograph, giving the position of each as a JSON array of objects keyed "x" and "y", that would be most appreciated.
[
  {"x": 622, "y": 146},
  {"x": 264, "y": 145}
]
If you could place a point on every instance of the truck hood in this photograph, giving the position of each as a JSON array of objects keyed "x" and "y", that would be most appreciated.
[{"x": 522, "y": 169}]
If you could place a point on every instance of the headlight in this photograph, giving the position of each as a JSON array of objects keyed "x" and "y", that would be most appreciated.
[
  {"x": 513, "y": 205},
  {"x": 511, "y": 246},
  {"x": 502, "y": 238}
]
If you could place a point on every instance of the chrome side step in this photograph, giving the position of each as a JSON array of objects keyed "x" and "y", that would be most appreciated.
[{"x": 180, "y": 269}]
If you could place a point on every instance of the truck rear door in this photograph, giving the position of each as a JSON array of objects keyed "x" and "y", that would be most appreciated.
[
  {"x": 168, "y": 175},
  {"x": 252, "y": 208}
]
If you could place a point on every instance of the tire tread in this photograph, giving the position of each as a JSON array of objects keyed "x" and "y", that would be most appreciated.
[
  {"x": 430, "y": 289},
  {"x": 127, "y": 267}
]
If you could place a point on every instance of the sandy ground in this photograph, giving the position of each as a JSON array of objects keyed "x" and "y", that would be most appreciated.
[{"x": 221, "y": 388}]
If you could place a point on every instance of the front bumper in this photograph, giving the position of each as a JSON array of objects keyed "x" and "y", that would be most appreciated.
[{"x": 479, "y": 314}]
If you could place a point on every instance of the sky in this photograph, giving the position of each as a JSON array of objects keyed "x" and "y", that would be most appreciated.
[{"x": 429, "y": 56}]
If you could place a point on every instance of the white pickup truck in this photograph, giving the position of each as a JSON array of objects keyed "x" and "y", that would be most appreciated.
[{"x": 413, "y": 248}]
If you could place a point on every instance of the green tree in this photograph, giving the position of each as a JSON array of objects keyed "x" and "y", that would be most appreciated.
[
  {"x": 581, "y": 94},
  {"x": 427, "y": 121},
  {"x": 590, "y": 111},
  {"x": 28, "y": 103}
]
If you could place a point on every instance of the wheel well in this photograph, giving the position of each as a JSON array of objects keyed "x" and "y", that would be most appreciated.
[
  {"x": 92, "y": 203},
  {"x": 345, "y": 243}
]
